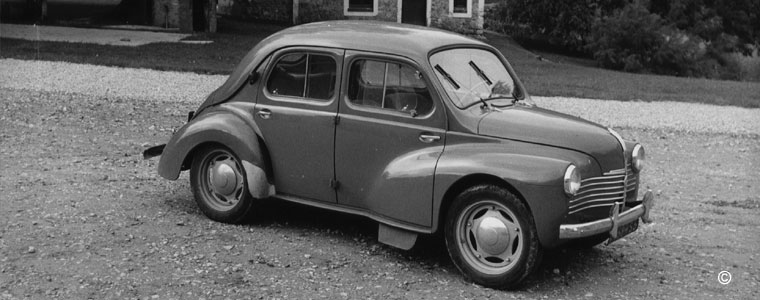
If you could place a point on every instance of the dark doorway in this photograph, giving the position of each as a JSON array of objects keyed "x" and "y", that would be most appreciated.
[
  {"x": 199, "y": 15},
  {"x": 414, "y": 12}
]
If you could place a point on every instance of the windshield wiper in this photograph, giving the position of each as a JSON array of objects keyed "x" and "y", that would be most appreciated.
[
  {"x": 480, "y": 73},
  {"x": 447, "y": 76}
]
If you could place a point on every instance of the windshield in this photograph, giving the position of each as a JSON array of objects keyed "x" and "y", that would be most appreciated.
[{"x": 473, "y": 75}]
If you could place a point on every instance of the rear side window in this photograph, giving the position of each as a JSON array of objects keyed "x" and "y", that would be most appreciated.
[
  {"x": 303, "y": 75},
  {"x": 390, "y": 86}
]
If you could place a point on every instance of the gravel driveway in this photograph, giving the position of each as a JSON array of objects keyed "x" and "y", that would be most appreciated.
[{"x": 154, "y": 85}]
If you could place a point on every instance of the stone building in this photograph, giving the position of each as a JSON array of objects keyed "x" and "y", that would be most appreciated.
[
  {"x": 457, "y": 15},
  {"x": 187, "y": 15}
]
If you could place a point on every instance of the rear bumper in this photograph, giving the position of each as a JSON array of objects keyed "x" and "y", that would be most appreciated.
[
  {"x": 611, "y": 224},
  {"x": 153, "y": 151}
]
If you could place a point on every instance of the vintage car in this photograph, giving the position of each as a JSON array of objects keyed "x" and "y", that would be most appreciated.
[{"x": 419, "y": 129}]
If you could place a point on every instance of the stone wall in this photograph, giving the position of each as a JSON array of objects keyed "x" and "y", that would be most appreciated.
[
  {"x": 166, "y": 13},
  {"x": 277, "y": 11},
  {"x": 322, "y": 10},
  {"x": 441, "y": 17}
]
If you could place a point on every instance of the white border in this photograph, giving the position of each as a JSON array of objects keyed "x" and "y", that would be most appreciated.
[
  {"x": 468, "y": 14},
  {"x": 360, "y": 14}
]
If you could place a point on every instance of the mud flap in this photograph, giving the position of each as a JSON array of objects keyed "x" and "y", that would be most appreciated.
[
  {"x": 258, "y": 186},
  {"x": 396, "y": 237}
]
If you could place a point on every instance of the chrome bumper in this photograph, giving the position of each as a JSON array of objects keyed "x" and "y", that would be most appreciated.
[{"x": 611, "y": 224}]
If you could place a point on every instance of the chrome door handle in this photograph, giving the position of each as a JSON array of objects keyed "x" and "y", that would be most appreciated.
[
  {"x": 429, "y": 138},
  {"x": 264, "y": 114}
]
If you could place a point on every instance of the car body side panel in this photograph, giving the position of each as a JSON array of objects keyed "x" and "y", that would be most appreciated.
[
  {"x": 381, "y": 162},
  {"x": 299, "y": 132},
  {"x": 383, "y": 167},
  {"x": 534, "y": 171}
]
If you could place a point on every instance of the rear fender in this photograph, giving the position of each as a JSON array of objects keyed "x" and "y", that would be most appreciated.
[{"x": 224, "y": 128}]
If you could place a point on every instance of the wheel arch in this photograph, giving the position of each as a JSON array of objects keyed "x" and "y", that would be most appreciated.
[
  {"x": 228, "y": 130},
  {"x": 467, "y": 182}
]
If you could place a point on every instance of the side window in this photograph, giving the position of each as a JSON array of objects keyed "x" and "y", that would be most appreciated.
[
  {"x": 303, "y": 75},
  {"x": 389, "y": 86}
]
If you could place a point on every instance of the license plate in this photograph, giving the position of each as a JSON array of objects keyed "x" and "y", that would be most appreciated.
[{"x": 624, "y": 230}]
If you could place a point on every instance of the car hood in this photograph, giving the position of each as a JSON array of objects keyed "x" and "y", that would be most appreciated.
[{"x": 541, "y": 126}]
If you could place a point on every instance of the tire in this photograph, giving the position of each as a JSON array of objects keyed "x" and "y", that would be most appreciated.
[
  {"x": 219, "y": 185},
  {"x": 491, "y": 237}
]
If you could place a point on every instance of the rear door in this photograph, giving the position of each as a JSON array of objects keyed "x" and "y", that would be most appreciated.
[
  {"x": 389, "y": 137},
  {"x": 296, "y": 113}
]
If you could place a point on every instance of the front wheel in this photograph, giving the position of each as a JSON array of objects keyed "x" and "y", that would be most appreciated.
[
  {"x": 491, "y": 237},
  {"x": 219, "y": 185}
]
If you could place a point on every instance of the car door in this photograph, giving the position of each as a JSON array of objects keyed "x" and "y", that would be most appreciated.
[
  {"x": 389, "y": 137},
  {"x": 296, "y": 112}
]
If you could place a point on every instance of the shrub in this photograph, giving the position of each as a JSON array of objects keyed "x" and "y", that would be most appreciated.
[
  {"x": 558, "y": 23},
  {"x": 626, "y": 40}
]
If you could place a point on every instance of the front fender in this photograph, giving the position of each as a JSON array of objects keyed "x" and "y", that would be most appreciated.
[
  {"x": 223, "y": 128},
  {"x": 535, "y": 172}
]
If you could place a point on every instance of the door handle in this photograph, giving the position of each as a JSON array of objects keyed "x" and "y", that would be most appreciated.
[
  {"x": 264, "y": 113},
  {"x": 429, "y": 138}
]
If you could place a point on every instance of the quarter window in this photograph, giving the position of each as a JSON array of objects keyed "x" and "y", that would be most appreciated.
[
  {"x": 303, "y": 75},
  {"x": 389, "y": 86}
]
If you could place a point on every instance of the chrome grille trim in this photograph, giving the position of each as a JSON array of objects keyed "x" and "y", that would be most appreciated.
[
  {"x": 592, "y": 206},
  {"x": 597, "y": 184},
  {"x": 596, "y": 195},
  {"x": 613, "y": 187}
]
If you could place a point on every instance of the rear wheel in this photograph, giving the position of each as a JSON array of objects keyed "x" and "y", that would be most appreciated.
[
  {"x": 491, "y": 237},
  {"x": 219, "y": 185}
]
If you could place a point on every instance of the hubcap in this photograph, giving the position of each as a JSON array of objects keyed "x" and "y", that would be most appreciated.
[
  {"x": 489, "y": 237},
  {"x": 492, "y": 235},
  {"x": 223, "y": 178},
  {"x": 222, "y": 181}
]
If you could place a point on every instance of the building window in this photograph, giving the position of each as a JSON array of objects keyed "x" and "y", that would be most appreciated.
[
  {"x": 460, "y": 8},
  {"x": 360, "y": 7}
]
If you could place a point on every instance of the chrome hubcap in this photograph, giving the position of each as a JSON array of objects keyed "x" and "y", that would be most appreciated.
[
  {"x": 492, "y": 235},
  {"x": 489, "y": 237},
  {"x": 223, "y": 182},
  {"x": 223, "y": 178}
]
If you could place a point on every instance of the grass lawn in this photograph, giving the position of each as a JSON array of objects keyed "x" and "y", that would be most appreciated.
[{"x": 559, "y": 77}]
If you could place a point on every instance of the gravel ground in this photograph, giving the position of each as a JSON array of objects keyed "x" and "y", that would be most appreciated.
[{"x": 177, "y": 86}]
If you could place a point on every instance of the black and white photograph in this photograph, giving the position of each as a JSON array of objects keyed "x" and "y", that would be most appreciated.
[{"x": 379, "y": 149}]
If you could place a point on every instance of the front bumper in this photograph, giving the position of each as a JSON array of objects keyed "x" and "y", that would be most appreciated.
[{"x": 610, "y": 225}]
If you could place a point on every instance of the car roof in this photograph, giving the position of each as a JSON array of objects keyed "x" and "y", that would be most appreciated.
[
  {"x": 411, "y": 41},
  {"x": 375, "y": 36}
]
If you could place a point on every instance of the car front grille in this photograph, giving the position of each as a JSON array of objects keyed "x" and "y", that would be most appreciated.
[{"x": 614, "y": 186}]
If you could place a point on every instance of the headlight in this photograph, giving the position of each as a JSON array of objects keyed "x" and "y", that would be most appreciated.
[
  {"x": 572, "y": 180},
  {"x": 639, "y": 156}
]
